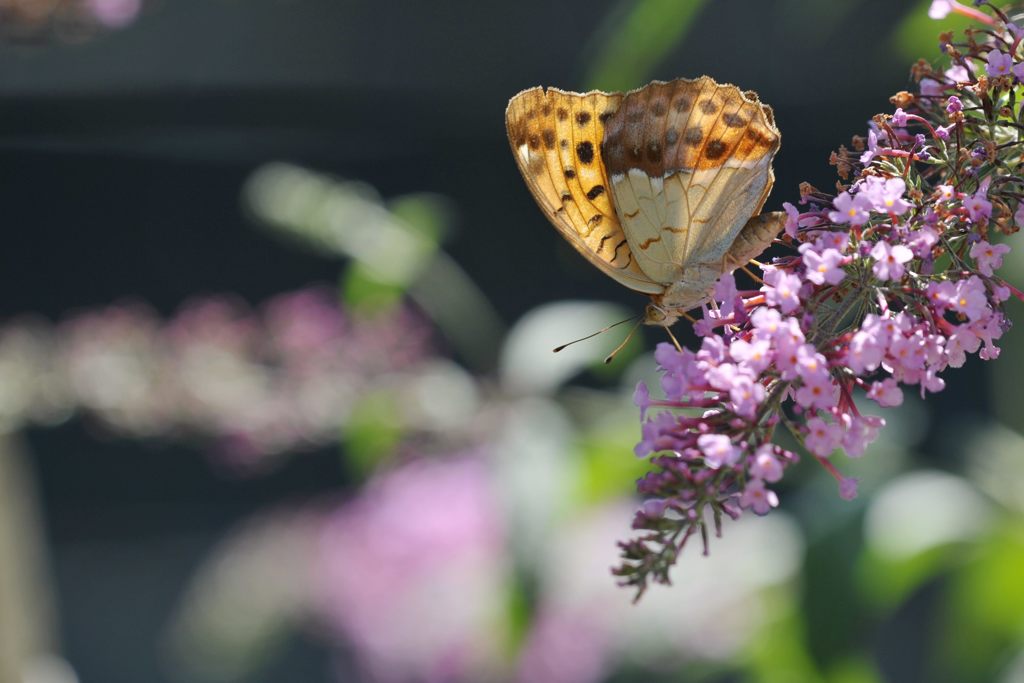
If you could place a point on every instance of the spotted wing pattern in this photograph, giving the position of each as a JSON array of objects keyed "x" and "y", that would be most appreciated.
[
  {"x": 689, "y": 163},
  {"x": 556, "y": 140}
]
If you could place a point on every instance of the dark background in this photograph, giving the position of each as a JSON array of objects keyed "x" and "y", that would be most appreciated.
[{"x": 122, "y": 160}]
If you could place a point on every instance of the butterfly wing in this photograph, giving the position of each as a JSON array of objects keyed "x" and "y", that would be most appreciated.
[
  {"x": 690, "y": 163},
  {"x": 556, "y": 140}
]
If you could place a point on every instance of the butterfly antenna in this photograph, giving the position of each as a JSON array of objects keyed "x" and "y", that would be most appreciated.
[
  {"x": 601, "y": 331},
  {"x": 610, "y": 356}
]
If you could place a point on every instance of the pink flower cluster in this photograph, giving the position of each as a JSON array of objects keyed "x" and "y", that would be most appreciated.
[
  {"x": 253, "y": 383},
  {"x": 892, "y": 282}
]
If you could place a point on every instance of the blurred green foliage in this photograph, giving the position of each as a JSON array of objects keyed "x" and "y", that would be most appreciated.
[
  {"x": 372, "y": 433},
  {"x": 779, "y": 654},
  {"x": 917, "y": 36},
  {"x": 607, "y": 472},
  {"x": 635, "y": 37},
  {"x": 985, "y": 614},
  {"x": 363, "y": 292}
]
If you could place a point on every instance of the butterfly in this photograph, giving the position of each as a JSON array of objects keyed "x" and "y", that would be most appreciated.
[{"x": 659, "y": 187}]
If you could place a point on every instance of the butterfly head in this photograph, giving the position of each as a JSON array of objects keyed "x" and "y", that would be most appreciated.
[
  {"x": 687, "y": 293},
  {"x": 660, "y": 317}
]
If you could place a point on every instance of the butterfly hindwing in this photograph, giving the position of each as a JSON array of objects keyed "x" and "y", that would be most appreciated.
[
  {"x": 556, "y": 140},
  {"x": 689, "y": 163}
]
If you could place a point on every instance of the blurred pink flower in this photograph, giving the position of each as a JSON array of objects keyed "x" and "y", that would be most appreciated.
[
  {"x": 413, "y": 571},
  {"x": 253, "y": 383},
  {"x": 65, "y": 20},
  {"x": 115, "y": 13},
  {"x": 565, "y": 648}
]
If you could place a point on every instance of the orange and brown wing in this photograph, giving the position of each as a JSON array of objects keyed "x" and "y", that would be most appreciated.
[
  {"x": 689, "y": 163},
  {"x": 556, "y": 140}
]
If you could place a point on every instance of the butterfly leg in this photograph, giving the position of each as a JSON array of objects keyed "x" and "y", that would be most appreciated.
[
  {"x": 679, "y": 347},
  {"x": 753, "y": 276}
]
